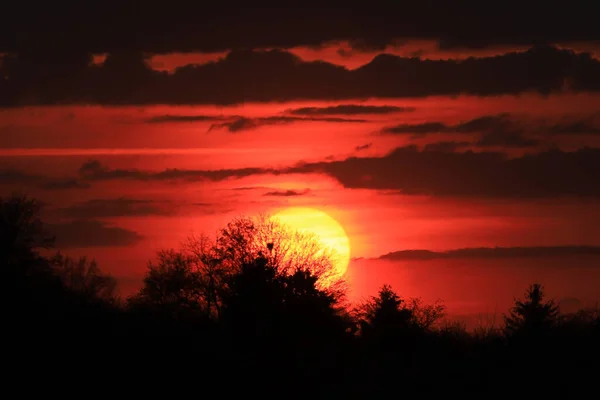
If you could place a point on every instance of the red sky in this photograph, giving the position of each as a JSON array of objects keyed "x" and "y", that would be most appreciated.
[{"x": 42, "y": 149}]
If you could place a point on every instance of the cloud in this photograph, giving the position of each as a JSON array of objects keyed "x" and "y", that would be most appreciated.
[
  {"x": 276, "y": 75},
  {"x": 448, "y": 146},
  {"x": 91, "y": 233},
  {"x": 117, "y": 207},
  {"x": 21, "y": 178},
  {"x": 551, "y": 173},
  {"x": 417, "y": 129},
  {"x": 506, "y": 139},
  {"x": 168, "y": 118},
  {"x": 13, "y": 176},
  {"x": 495, "y": 130},
  {"x": 156, "y": 29},
  {"x": 93, "y": 170},
  {"x": 244, "y": 188},
  {"x": 365, "y": 146},
  {"x": 492, "y": 253},
  {"x": 503, "y": 124},
  {"x": 212, "y": 209},
  {"x": 350, "y": 109},
  {"x": 64, "y": 184},
  {"x": 585, "y": 126},
  {"x": 287, "y": 193},
  {"x": 476, "y": 125},
  {"x": 244, "y": 124}
]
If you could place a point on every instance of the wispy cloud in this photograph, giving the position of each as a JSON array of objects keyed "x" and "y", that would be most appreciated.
[
  {"x": 287, "y": 193},
  {"x": 492, "y": 253},
  {"x": 350, "y": 109}
]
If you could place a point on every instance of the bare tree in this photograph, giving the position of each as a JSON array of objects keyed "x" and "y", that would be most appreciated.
[
  {"x": 211, "y": 272},
  {"x": 289, "y": 250},
  {"x": 84, "y": 276},
  {"x": 426, "y": 315}
]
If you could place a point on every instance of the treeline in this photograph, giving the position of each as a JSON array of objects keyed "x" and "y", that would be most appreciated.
[{"x": 262, "y": 304}]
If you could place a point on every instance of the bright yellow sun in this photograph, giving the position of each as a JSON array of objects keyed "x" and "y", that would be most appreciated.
[{"x": 327, "y": 229}]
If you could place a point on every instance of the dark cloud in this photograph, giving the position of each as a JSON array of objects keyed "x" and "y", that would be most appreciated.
[
  {"x": 91, "y": 233},
  {"x": 212, "y": 209},
  {"x": 239, "y": 124},
  {"x": 287, "y": 193},
  {"x": 64, "y": 184},
  {"x": 20, "y": 178},
  {"x": 431, "y": 171},
  {"x": 350, "y": 109},
  {"x": 504, "y": 123},
  {"x": 88, "y": 27},
  {"x": 365, "y": 146},
  {"x": 446, "y": 146},
  {"x": 244, "y": 124},
  {"x": 117, "y": 207},
  {"x": 485, "y": 123},
  {"x": 161, "y": 119},
  {"x": 551, "y": 173},
  {"x": 275, "y": 75},
  {"x": 492, "y": 253},
  {"x": 500, "y": 138},
  {"x": 417, "y": 129},
  {"x": 585, "y": 126},
  {"x": 13, "y": 176},
  {"x": 93, "y": 170},
  {"x": 244, "y": 188},
  {"x": 496, "y": 131}
]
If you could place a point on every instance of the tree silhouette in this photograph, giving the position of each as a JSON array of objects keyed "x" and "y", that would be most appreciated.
[
  {"x": 199, "y": 275},
  {"x": 266, "y": 297},
  {"x": 532, "y": 315},
  {"x": 209, "y": 270},
  {"x": 83, "y": 276},
  {"x": 55, "y": 296},
  {"x": 385, "y": 315},
  {"x": 244, "y": 239},
  {"x": 28, "y": 284},
  {"x": 251, "y": 305},
  {"x": 426, "y": 316},
  {"x": 170, "y": 287},
  {"x": 22, "y": 231}
]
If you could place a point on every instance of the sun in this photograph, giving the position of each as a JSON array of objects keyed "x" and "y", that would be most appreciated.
[{"x": 326, "y": 228}]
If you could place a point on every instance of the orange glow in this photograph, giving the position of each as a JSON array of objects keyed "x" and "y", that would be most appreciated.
[{"x": 327, "y": 229}]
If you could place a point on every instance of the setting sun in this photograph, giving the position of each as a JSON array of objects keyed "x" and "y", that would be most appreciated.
[{"x": 326, "y": 228}]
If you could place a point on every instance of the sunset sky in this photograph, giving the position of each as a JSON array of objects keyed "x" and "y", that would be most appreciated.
[{"x": 438, "y": 133}]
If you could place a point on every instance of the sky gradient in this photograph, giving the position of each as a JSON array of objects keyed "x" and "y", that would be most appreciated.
[{"x": 484, "y": 156}]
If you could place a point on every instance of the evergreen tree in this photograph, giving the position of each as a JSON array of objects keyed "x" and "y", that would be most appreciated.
[{"x": 532, "y": 315}]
